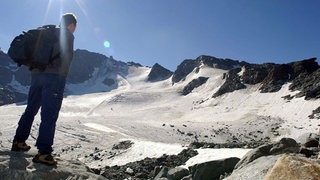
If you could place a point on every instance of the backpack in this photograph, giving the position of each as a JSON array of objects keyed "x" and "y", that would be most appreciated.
[{"x": 34, "y": 48}]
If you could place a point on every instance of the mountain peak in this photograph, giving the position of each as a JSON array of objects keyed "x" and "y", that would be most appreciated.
[
  {"x": 188, "y": 65},
  {"x": 219, "y": 63},
  {"x": 159, "y": 73}
]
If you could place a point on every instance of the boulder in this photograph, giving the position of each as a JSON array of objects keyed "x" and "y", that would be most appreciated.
[
  {"x": 178, "y": 173},
  {"x": 213, "y": 169},
  {"x": 255, "y": 170},
  {"x": 294, "y": 168},
  {"x": 285, "y": 145},
  {"x": 312, "y": 140}
]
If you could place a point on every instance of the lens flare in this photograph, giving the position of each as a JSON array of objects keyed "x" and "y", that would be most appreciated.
[{"x": 106, "y": 44}]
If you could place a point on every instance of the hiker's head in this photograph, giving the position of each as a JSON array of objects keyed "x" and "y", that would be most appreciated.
[{"x": 69, "y": 21}]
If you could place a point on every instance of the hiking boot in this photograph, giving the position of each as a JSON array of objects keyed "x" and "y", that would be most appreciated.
[
  {"x": 20, "y": 146},
  {"x": 46, "y": 159}
]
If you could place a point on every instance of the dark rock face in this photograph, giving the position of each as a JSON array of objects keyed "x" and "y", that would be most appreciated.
[
  {"x": 307, "y": 66},
  {"x": 158, "y": 73},
  {"x": 186, "y": 67},
  {"x": 9, "y": 96},
  {"x": 213, "y": 169},
  {"x": 277, "y": 76},
  {"x": 6, "y": 75},
  {"x": 254, "y": 73},
  {"x": 303, "y": 75},
  {"x": 231, "y": 84},
  {"x": 219, "y": 63},
  {"x": 22, "y": 75},
  {"x": 4, "y": 59},
  {"x": 130, "y": 63},
  {"x": 194, "y": 84},
  {"x": 308, "y": 84},
  {"x": 83, "y": 65},
  {"x": 300, "y": 73},
  {"x": 6, "y": 96},
  {"x": 315, "y": 114}
]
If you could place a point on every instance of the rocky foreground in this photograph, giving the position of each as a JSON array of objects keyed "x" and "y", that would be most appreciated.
[{"x": 285, "y": 159}]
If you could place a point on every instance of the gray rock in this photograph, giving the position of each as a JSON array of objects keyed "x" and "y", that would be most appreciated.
[
  {"x": 178, "y": 173},
  {"x": 163, "y": 174},
  {"x": 16, "y": 165},
  {"x": 214, "y": 169},
  {"x": 255, "y": 170},
  {"x": 283, "y": 146}
]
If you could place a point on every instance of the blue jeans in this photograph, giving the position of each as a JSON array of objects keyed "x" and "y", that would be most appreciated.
[{"x": 46, "y": 91}]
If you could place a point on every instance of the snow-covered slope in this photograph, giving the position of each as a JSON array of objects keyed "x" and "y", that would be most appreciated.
[{"x": 158, "y": 119}]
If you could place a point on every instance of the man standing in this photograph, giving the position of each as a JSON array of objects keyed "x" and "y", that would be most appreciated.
[{"x": 46, "y": 91}]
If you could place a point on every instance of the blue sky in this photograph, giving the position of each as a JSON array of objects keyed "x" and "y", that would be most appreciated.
[{"x": 169, "y": 31}]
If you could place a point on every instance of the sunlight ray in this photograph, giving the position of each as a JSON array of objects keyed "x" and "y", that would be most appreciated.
[
  {"x": 47, "y": 11},
  {"x": 81, "y": 5}
]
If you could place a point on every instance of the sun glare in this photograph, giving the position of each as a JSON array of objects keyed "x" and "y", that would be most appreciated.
[{"x": 106, "y": 44}]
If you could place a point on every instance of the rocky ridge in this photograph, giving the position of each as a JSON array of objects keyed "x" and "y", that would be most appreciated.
[
  {"x": 97, "y": 68},
  {"x": 301, "y": 74}
]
